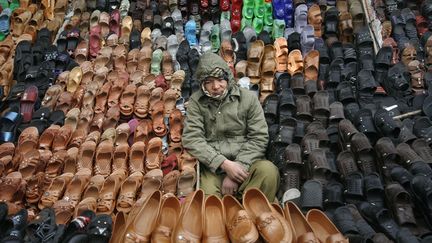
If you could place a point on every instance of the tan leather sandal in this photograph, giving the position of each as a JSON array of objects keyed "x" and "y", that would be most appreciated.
[{"x": 128, "y": 192}]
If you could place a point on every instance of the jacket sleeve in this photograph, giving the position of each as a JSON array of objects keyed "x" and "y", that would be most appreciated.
[
  {"x": 193, "y": 139},
  {"x": 257, "y": 135}
]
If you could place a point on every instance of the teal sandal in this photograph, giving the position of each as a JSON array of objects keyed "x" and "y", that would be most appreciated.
[
  {"x": 245, "y": 23},
  {"x": 278, "y": 28},
  {"x": 215, "y": 38}
]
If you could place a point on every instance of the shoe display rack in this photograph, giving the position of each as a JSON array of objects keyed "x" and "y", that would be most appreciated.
[{"x": 94, "y": 96}]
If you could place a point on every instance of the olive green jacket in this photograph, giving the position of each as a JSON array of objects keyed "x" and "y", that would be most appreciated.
[{"x": 234, "y": 128}]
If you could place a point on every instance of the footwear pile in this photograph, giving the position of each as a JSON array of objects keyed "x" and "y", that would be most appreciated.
[{"x": 91, "y": 126}]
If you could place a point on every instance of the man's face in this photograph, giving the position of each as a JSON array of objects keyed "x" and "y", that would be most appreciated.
[{"x": 215, "y": 86}]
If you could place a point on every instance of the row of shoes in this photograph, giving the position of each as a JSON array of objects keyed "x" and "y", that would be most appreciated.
[
  {"x": 202, "y": 218},
  {"x": 23, "y": 227},
  {"x": 47, "y": 171},
  {"x": 167, "y": 220}
]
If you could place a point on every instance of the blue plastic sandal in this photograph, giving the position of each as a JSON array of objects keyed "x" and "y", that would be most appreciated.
[{"x": 190, "y": 33}]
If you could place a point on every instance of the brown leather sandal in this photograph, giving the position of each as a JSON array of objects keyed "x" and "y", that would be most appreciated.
[
  {"x": 47, "y": 137},
  {"x": 103, "y": 159},
  {"x": 128, "y": 192},
  {"x": 102, "y": 98},
  {"x": 55, "y": 164},
  {"x": 108, "y": 195},
  {"x": 295, "y": 62},
  {"x": 187, "y": 160},
  {"x": 154, "y": 155},
  {"x": 112, "y": 116},
  {"x": 51, "y": 96},
  {"x": 55, "y": 191},
  {"x": 169, "y": 182},
  {"x": 62, "y": 139},
  {"x": 255, "y": 54},
  {"x": 167, "y": 65},
  {"x": 186, "y": 182},
  {"x": 144, "y": 131},
  {"x": 127, "y": 100},
  {"x": 152, "y": 182},
  {"x": 170, "y": 99},
  {"x": 132, "y": 60},
  {"x": 136, "y": 157},
  {"x": 28, "y": 140},
  {"x": 176, "y": 125},
  {"x": 144, "y": 60},
  {"x": 157, "y": 114},
  {"x": 311, "y": 65}
]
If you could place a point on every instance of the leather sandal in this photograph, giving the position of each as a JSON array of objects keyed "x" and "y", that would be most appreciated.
[
  {"x": 141, "y": 106},
  {"x": 268, "y": 70},
  {"x": 128, "y": 192},
  {"x": 281, "y": 47},
  {"x": 136, "y": 157},
  {"x": 144, "y": 131},
  {"x": 154, "y": 154},
  {"x": 169, "y": 99},
  {"x": 255, "y": 54},
  {"x": 103, "y": 159},
  {"x": 176, "y": 125},
  {"x": 311, "y": 65},
  {"x": 127, "y": 100},
  {"x": 152, "y": 182},
  {"x": 55, "y": 191},
  {"x": 295, "y": 62},
  {"x": 187, "y": 160},
  {"x": 157, "y": 114},
  {"x": 108, "y": 194}
]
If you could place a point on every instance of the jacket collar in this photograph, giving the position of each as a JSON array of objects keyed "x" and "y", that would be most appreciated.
[{"x": 234, "y": 92}]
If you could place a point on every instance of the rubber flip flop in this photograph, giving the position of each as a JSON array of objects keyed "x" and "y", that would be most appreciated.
[
  {"x": 248, "y": 9},
  {"x": 215, "y": 39},
  {"x": 190, "y": 32}
]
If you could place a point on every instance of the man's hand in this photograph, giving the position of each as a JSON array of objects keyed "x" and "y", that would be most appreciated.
[
  {"x": 229, "y": 186},
  {"x": 235, "y": 171}
]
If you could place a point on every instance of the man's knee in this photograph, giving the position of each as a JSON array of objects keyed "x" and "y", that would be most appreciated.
[{"x": 265, "y": 168}]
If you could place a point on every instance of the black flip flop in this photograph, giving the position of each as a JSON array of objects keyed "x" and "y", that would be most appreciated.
[{"x": 9, "y": 124}]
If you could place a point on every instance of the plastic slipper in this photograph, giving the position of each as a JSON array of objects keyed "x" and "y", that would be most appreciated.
[
  {"x": 307, "y": 39},
  {"x": 156, "y": 62},
  {"x": 215, "y": 39},
  {"x": 190, "y": 32},
  {"x": 248, "y": 9},
  {"x": 28, "y": 101},
  {"x": 278, "y": 28},
  {"x": 300, "y": 18},
  {"x": 259, "y": 8},
  {"x": 204, "y": 41},
  {"x": 268, "y": 14},
  {"x": 9, "y": 123},
  {"x": 374, "y": 190},
  {"x": 258, "y": 24},
  {"x": 225, "y": 30},
  {"x": 311, "y": 195},
  {"x": 5, "y": 21},
  {"x": 245, "y": 23},
  {"x": 380, "y": 218}
]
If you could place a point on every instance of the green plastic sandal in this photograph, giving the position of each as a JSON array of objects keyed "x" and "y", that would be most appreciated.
[
  {"x": 215, "y": 38},
  {"x": 258, "y": 24},
  {"x": 268, "y": 14},
  {"x": 248, "y": 9},
  {"x": 269, "y": 29},
  {"x": 278, "y": 28},
  {"x": 259, "y": 8},
  {"x": 14, "y": 5}
]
